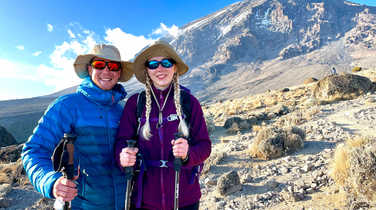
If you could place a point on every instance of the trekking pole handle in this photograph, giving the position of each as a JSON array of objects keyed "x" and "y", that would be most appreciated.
[
  {"x": 69, "y": 168},
  {"x": 129, "y": 170},
  {"x": 178, "y": 161}
]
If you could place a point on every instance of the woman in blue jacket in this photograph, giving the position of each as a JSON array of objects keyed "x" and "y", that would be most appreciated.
[{"x": 92, "y": 114}]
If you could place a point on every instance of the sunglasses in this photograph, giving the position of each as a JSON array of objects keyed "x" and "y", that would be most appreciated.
[
  {"x": 166, "y": 63},
  {"x": 112, "y": 65}
]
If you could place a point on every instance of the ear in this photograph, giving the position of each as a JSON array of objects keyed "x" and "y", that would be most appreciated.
[{"x": 89, "y": 70}]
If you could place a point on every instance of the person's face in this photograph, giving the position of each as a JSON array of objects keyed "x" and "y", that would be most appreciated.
[
  {"x": 161, "y": 76},
  {"x": 103, "y": 77}
]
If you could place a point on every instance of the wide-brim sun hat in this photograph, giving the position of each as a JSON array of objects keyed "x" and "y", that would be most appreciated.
[
  {"x": 157, "y": 49},
  {"x": 104, "y": 51}
]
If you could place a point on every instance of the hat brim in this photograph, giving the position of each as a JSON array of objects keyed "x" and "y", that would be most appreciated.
[
  {"x": 156, "y": 50},
  {"x": 81, "y": 62}
]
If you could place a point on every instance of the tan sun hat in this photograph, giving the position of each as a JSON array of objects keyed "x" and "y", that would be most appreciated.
[
  {"x": 157, "y": 49},
  {"x": 104, "y": 51}
]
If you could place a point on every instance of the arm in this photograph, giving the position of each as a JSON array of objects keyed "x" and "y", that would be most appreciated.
[
  {"x": 127, "y": 128},
  {"x": 200, "y": 145},
  {"x": 37, "y": 151}
]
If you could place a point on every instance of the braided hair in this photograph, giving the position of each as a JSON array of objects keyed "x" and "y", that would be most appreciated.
[{"x": 182, "y": 128}]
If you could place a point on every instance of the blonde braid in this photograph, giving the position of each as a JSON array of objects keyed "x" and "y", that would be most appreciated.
[
  {"x": 145, "y": 131},
  {"x": 183, "y": 128}
]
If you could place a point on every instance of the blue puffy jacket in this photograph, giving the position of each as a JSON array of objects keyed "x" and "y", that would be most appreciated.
[{"x": 93, "y": 115}]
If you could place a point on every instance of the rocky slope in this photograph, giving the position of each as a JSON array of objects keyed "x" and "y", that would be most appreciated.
[{"x": 6, "y": 138}]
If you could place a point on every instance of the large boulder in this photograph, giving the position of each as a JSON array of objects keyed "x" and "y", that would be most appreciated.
[
  {"x": 341, "y": 87},
  {"x": 228, "y": 183},
  {"x": 6, "y": 138}
]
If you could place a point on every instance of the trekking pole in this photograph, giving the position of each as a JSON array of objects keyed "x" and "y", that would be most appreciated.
[
  {"x": 177, "y": 166},
  {"x": 129, "y": 173},
  {"x": 65, "y": 161}
]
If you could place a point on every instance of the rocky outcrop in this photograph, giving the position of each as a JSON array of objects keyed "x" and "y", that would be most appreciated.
[
  {"x": 6, "y": 138},
  {"x": 338, "y": 87},
  {"x": 10, "y": 153}
]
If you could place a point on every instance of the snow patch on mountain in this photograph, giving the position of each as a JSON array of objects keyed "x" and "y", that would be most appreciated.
[{"x": 235, "y": 21}]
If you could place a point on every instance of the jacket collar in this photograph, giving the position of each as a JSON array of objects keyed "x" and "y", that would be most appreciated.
[
  {"x": 99, "y": 96},
  {"x": 162, "y": 92}
]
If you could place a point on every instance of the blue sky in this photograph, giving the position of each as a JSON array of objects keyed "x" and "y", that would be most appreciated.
[{"x": 40, "y": 39}]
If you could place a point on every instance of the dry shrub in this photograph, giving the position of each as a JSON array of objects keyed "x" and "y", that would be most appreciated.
[
  {"x": 341, "y": 87},
  {"x": 236, "y": 124},
  {"x": 258, "y": 128},
  {"x": 213, "y": 160},
  {"x": 354, "y": 167},
  {"x": 363, "y": 170},
  {"x": 309, "y": 102},
  {"x": 311, "y": 112},
  {"x": 296, "y": 118},
  {"x": 278, "y": 110},
  {"x": 209, "y": 119},
  {"x": 11, "y": 172},
  {"x": 274, "y": 142},
  {"x": 294, "y": 140},
  {"x": 339, "y": 166}
]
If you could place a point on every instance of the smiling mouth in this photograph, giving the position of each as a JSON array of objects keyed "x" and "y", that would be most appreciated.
[{"x": 161, "y": 76}]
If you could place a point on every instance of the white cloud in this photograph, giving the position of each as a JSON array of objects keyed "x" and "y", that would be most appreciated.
[
  {"x": 163, "y": 30},
  {"x": 20, "y": 47},
  {"x": 17, "y": 70},
  {"x": 59, "y": 72},
  {"x": 58, "y": 78},
  {"x": 64, "y": 54},
  {"x": 127, "y": 44},
  {"x": 50, "y": 27},
  {"x": 71, "y": 34},
  {"x": 37, "y": 53}
]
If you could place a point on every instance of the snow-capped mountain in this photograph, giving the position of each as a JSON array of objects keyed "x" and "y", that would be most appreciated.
[{"x": 258, "y": 39}]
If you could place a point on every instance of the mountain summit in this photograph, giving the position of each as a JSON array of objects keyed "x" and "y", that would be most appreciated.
[{"x": 255, "y": 44}]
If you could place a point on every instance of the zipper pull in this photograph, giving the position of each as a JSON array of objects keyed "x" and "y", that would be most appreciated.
[{"x": 160, "y": 118}]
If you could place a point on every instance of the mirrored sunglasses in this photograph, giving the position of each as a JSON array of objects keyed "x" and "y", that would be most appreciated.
[
  {"x": 166, "y": 63},
  {"x": 112, "y": 65}
]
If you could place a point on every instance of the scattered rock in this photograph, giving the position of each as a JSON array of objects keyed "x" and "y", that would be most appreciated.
[{"x": 228, "y": 183}]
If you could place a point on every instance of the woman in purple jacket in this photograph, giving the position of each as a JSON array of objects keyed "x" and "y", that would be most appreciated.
[{"x": 159, "y": 67}]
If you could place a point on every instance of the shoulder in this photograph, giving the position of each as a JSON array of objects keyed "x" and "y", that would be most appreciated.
[
  {"x": 70, "y": 98},
  {"x": 132, "y": 100},
  {"x": 192, "y": 99},
  {"x": 65, "y": 100}
]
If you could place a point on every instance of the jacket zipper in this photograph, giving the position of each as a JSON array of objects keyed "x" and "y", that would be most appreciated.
[{"x": 160, "y": 133}]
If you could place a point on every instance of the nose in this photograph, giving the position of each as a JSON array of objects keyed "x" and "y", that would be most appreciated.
[
  {"x": 161, "y": 68},
  {"x": 106, "y": 69}
]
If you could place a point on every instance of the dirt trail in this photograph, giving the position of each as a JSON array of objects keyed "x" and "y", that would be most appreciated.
[{"x": 357, "y": 120}]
